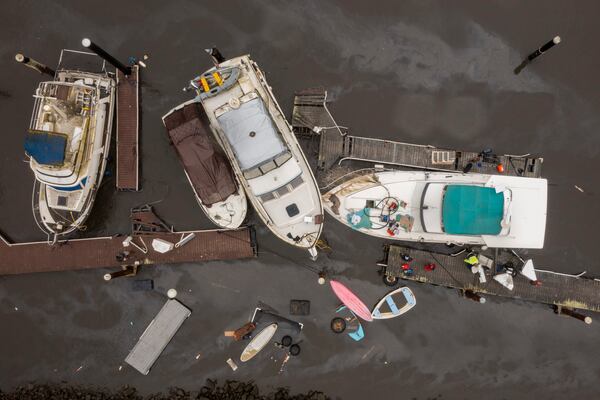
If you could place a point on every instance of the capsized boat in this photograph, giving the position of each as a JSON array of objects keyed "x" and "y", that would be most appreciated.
[
  {"x": 68, "y": 145},
  {"x": 264, "y": 153},
  {"x": 443, "y": 207},
  {"x": 217, "y": 191},
  {"x": 388, "y": 307}
]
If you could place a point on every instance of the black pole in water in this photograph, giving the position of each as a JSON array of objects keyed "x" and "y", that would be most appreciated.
[
  {"x": 31, "y": 63},
  {"x": 88, "y": 44},
  {"x": 216, "y": 55},
  {"x": 537, "y": 53},
  {"x": 544, "y": 48}
]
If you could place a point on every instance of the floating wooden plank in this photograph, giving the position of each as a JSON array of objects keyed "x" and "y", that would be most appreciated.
[
  {"x": 128, "y": 130},
  {"x": 558, "y": 289}
]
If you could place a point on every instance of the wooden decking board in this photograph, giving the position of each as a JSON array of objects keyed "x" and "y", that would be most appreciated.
[
  {"x": 101, "y": 252},
  {"x": 556, "y": 289},
  {"x": 310, "y": 111},
  {"x": 127, "y": 130}
]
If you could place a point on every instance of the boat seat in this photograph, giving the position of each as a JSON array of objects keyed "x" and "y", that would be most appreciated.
[{"x": 392, "y": 305}]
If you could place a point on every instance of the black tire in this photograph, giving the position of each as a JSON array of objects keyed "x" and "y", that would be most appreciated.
[
  {"x": 338, "y": 325},
  {"x": 294, "y": 350},
  {"x": 390, "y": 280},
  {"x": 286, "y": 340}
]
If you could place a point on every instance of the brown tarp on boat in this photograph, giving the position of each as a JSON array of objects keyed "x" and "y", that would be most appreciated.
[{"x": 205, "y": 164}]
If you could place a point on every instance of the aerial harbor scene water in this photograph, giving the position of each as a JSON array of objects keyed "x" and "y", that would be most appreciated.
[{"x": 299, "y": 200}]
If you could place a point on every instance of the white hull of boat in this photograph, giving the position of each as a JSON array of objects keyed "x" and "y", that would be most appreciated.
[
  {"x": 301, "y": 227},
  {"x": 64, "y": 220},
  {"x": 523, "y": 224},
  {"x": 228, "y": 214}
]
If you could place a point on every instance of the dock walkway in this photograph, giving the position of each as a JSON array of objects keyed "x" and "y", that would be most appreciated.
[
  {"x": 311, "y": 117},
  {"x": 557, "y": 289},
  {"x": 128, "y": 130},
  {"x": 101, "y": 252}
]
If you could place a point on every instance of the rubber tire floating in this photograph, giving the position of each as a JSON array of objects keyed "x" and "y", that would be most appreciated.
[
  {"x": 338, "y": 325},
  {"x": 390, "y": 280},
  {"x": 286, "y": 341},
  {"x": 294, "y": 350}
]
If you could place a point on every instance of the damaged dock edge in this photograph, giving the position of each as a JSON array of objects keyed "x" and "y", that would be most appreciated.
[
  {"x": 101, "y": 252},
  {"x": 569, "y": 291}
]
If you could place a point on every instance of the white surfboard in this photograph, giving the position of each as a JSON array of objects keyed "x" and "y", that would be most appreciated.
[{"x": 258, "y": 342}]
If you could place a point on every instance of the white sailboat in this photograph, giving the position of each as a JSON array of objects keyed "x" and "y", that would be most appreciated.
[
  {"x": 443, "y": 207},
  {"x": 264, "y": 153}
]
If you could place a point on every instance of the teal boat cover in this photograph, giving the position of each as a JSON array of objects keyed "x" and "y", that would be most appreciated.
[
  {"x": 472, "y": 210},
  {"x": 46, "y": 148}
]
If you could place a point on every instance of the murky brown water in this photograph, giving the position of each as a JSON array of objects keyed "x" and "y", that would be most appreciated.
[{"x": 426, "y": 72}]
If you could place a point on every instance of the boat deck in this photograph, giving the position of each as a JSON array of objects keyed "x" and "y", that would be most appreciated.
[
  {"x": 557, "y": 289},
  {"x": 101, "y": 252},
  {"x": 310, "y": 111},
  {"x": 128, "y": 130}
]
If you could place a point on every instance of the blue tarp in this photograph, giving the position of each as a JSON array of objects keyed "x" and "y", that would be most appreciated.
[
  {"x": 46, "y": 148},
  {"x": 472, "y": 210}
]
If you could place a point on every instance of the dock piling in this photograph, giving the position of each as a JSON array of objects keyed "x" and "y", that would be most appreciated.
[
  {"x": 572, "y": 313},
  {"x": 129, "y": 270},
  {"x": 33, "y": 64},
  {"x": 216, "y": 55},
  {"x": 544, "y": 48},
  {"x": 88, "y": 44}
]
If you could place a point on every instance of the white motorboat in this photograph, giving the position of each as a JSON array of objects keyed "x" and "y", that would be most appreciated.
[
  {"x": 68, "y": 145},
  {"x": 218, "y": 193},
  {"x": 264, "y": 153},
  {"x": 443, "y": 207}
]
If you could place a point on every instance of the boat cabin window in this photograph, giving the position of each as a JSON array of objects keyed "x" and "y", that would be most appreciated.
[{"x": 268, "y": 166}]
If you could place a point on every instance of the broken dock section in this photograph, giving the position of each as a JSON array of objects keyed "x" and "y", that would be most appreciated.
[
  {"x": 563, "y": 290},
  {"x": 128, "y": 130},
  {"x": 312, "y": 117},
  {"x": 101, "y": 252}
]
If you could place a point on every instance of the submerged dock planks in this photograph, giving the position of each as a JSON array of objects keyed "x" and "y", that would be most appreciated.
[{"x": 557, "y": 289}]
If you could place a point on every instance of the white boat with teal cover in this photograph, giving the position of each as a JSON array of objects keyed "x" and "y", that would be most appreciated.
[{"x": 443, "y": 207}]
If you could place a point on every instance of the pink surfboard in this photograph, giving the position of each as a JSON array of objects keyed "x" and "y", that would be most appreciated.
[{"x": 351, "y": 301}]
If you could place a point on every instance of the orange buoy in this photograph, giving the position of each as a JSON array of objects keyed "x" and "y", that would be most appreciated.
[{"x": 500, "y": 168}]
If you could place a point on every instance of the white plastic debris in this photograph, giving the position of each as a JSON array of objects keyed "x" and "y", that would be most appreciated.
[
  {"x": 171, "y": 293},
  {"x": 528, "y": 271},
  {"x": 162, "y": 246},
  {"x": 578, "y": 188},
  {"x": 505, "y": 280},
  {"x": 232, "y": 364},
  {"x": 482, "y": 276}
]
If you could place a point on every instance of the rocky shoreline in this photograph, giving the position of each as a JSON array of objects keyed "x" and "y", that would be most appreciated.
[{"x": 230, "y": 390}]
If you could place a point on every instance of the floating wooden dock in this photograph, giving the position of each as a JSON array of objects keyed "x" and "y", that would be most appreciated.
[
  {"x": 557, "y": 289},
  {"x": 101, "y": 252},
  {"x": 128, "y": 130},
  {"x": 311, "y": 117}
]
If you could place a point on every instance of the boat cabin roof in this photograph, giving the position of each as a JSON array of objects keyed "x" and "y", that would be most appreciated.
[
  {"x": 472, "y": 210},
  {"x": 46, "y": 148},
  {"x": 252, "y": 134}
]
